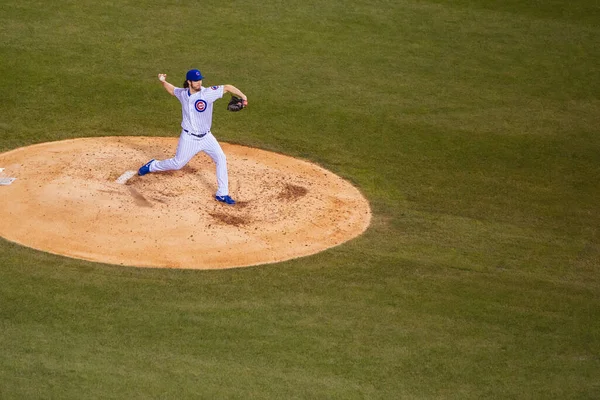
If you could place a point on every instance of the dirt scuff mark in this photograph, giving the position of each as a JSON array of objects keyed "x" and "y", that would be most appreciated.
[
  {"x": 229, "y": 219},
  {"x": 292, "y": 192}
]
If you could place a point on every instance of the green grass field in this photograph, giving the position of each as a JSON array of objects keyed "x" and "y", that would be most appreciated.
[{"x": 472, "y": 127}]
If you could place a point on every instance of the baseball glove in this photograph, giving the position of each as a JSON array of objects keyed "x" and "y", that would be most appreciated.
[{"x": 235, "y": 104}]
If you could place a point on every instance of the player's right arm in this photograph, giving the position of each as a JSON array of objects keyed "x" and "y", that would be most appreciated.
[{"x": 168, "y": 87}]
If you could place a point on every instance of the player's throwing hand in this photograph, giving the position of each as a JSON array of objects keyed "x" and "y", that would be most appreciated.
[{"x": 162, "y": 77}]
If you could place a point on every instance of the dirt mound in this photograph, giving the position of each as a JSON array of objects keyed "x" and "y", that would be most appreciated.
[{"x": 66, "y": 200}]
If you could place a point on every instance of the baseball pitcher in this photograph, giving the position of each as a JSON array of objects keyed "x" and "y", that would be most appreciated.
[{"x": 196, "y": 109}]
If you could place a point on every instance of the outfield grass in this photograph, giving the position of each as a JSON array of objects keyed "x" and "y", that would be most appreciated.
[{"x": 470, "y": 125}]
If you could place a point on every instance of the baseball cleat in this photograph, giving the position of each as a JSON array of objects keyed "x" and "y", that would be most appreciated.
[
  {"x": 145, "y": 168},
  {"x": 225, "y": 199}
]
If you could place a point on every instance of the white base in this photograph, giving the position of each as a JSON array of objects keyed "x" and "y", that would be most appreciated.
[
  {"x": 6, "y": 181},
  {"x": 125, "y": 177}
]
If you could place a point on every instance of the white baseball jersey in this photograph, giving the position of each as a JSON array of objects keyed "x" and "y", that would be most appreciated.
[{"x": 197, "y": 109}]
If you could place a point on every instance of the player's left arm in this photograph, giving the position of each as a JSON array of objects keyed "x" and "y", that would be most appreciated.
[{"x": 235, "y": 91}]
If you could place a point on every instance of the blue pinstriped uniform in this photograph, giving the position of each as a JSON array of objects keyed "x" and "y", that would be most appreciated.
[{"x": 196, "y": 111}]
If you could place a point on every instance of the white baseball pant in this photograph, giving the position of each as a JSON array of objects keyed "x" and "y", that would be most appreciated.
[{"x": 187, "y": 148}]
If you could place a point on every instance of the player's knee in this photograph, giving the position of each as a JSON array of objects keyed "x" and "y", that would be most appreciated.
[{"x": 178, "y": 164}]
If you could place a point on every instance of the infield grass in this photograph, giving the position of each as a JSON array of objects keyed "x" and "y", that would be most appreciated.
[{"x": 471, "y": 126}]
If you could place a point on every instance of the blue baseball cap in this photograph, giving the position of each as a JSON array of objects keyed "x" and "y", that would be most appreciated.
[{"x": 193, "y": 75}]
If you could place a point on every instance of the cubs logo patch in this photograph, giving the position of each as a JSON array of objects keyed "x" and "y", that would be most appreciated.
[
  {"x": 200, "y": 105},
  {"x": 214, "y": 87}
]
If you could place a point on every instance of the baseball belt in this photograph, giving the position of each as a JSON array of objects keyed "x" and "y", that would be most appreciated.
[{"x": 194, "y": 134}]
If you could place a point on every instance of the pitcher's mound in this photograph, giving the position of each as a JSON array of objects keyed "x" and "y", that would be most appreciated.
[{"x": 74, "y": 198}]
